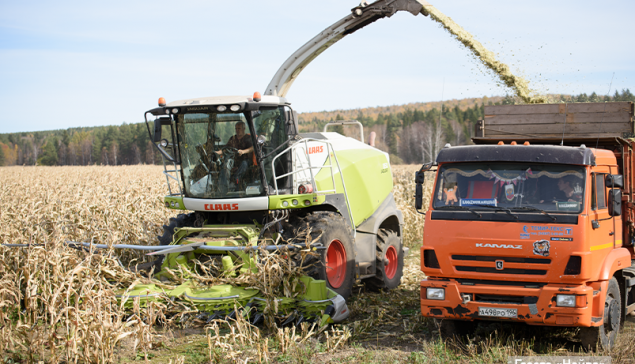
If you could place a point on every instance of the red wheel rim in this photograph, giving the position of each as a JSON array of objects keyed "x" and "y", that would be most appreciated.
[
  {"x": 336, "y": 264},
  {"x": 391, "y": 268}
]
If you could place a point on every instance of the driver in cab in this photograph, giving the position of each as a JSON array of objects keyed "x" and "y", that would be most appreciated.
[
  {"x": 240, "y": 141},
  {"x": 244, "y": 149}
]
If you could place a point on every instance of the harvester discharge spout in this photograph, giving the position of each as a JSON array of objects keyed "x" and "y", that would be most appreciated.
[{"x": 360, "y": 16}]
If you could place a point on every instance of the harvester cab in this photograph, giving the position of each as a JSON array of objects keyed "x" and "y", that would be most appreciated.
[{"x": 253, "y": 182}]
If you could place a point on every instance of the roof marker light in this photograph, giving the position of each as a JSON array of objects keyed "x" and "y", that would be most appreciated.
[
  {"x": 526, "y": 143},
  {"x": 257, "y": 96},
  {"x": 501, "y": 143},
  {"x": 161, "y": 101},
  {"x": 513, "y": 143}
]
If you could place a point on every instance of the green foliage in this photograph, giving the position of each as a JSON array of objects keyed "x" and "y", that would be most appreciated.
[
  {"x": 125, "y": 144},
  {"x": 2, "y": 157},
  {"x": 49, "y": 153}
]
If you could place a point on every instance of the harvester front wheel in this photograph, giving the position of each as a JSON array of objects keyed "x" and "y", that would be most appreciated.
[
  {"x": 182, "y": 220},
  {"x": 337, "y": 263},
  {"x": 388, "y": 262},
  {"x": 603, "y": 336}
]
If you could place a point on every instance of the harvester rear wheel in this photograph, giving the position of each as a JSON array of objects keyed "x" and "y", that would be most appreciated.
[
  {"x": 388, "y": 262},
  {"x": 337, "y": 261},
  {"x": 603, "y": 336},
  {"x": 181, "y": 220}
]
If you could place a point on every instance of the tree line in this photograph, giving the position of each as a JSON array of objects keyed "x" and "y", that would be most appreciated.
[
  {"x": 107, "y": 145},
  {"x": 411, "y": 133}
]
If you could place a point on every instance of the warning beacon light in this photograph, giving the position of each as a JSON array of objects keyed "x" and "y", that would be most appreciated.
[
  {"x": 257, "y": 96},
  {"x": 161, "y": 101}
]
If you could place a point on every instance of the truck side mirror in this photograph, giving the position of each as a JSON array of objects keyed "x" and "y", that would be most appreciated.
[
  {"x": 158, "y": 123},
  {"x": 420, "y": 177},
  {"x": 615, "y": 202},
  {"x": 614, "y": 180}
]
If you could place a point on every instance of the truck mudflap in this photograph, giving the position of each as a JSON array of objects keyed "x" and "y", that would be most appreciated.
[{"x": 534, "y": 306}]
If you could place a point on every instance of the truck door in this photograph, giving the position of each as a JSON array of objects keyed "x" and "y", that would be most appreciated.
[{"x": 606, "y": 231}]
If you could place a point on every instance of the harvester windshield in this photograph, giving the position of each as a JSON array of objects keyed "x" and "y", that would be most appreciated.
[
  {"x": 554, "y": 188},
  {"x": 218, "y": 151}
]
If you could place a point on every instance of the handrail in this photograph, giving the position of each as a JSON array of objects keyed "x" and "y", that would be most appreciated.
[
  {"x": 330, "y": 154},
  {"x": 348, "y": 122}
]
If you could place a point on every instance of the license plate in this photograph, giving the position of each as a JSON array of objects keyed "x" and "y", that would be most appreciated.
[{"x": 498, "y": 312}]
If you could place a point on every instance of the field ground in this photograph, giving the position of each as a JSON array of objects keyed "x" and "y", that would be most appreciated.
[
  {"x": 388, "y": 328},
  {"x": 124, "y": 205}
]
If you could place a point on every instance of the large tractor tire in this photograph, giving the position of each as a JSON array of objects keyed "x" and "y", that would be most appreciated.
[
  {"x": 388, "y": 263},
  {"x": 603, "y": 337},
  {"x": 182, "y": 220},
  {"x": 336, "y": 264}
]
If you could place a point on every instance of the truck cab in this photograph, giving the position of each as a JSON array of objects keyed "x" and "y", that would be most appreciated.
[{"x": 539, "y": 232}]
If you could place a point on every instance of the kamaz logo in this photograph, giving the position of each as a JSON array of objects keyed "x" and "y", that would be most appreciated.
[{"x": 500, "y": 246}]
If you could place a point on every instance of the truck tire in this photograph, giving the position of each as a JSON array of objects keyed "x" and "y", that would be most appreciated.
[
  {"x": 454, "y": 328},
  {"x": 336, "y": 264},
  {"x": 603, "y": 337},
  {"x": 181, "y": 220},
  {"x": 388, "y": 262}
]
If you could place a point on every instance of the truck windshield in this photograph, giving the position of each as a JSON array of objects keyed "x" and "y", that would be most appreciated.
[
  {"x": 217, "y": 152},
  {"x": 553, "y": 188}
]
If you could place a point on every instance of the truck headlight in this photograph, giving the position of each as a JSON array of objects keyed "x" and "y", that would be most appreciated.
[
  {"x": 565, "y": 300},
  {"x": 436, "y": 293}
]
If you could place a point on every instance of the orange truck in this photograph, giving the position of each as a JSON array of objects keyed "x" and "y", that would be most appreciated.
[{"x": 535, "y": 222}]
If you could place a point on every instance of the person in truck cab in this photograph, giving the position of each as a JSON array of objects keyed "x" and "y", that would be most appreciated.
[{"x": 568, "y": 190}]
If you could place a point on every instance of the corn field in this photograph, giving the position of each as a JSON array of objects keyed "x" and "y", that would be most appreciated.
[{"x": 59, "y": 303}]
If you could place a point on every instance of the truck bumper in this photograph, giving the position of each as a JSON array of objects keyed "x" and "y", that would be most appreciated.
[{"x": 462, "y": 302}]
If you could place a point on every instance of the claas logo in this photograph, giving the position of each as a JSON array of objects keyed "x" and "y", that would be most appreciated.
[
  {"x": 221, "y": 207},
  {"x": 313, "y": 150}
]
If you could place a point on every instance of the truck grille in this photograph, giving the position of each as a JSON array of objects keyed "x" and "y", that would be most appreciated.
[
  {"x": 536, "y": 272},
  {"x": 477, "y": 282},
  {"x": 536, "y": 266},
  {"x": 517, "y": 300},
  {"x": 506, "y": 259}
]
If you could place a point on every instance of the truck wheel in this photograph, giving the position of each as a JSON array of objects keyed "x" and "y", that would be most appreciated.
[
  {"x": 337, "y": 262},
  {"x": 388, "y": 262},
  {"x": 181, "y": 220},
  {"x": 451, "y": 328},
  {"x": 603, "y": 337}
]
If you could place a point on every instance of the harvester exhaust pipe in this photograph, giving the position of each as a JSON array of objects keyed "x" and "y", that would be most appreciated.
[{"x": 371, "y": 138}]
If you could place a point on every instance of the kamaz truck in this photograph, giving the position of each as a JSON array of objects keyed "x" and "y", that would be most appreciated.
[{"x": 535, "y": 222}]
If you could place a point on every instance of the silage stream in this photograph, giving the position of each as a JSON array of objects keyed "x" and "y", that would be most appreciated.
[{"x": 487, "y": 57}]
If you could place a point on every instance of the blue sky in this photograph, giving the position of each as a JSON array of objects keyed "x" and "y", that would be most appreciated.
[{"x": 78, "y": 63}]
